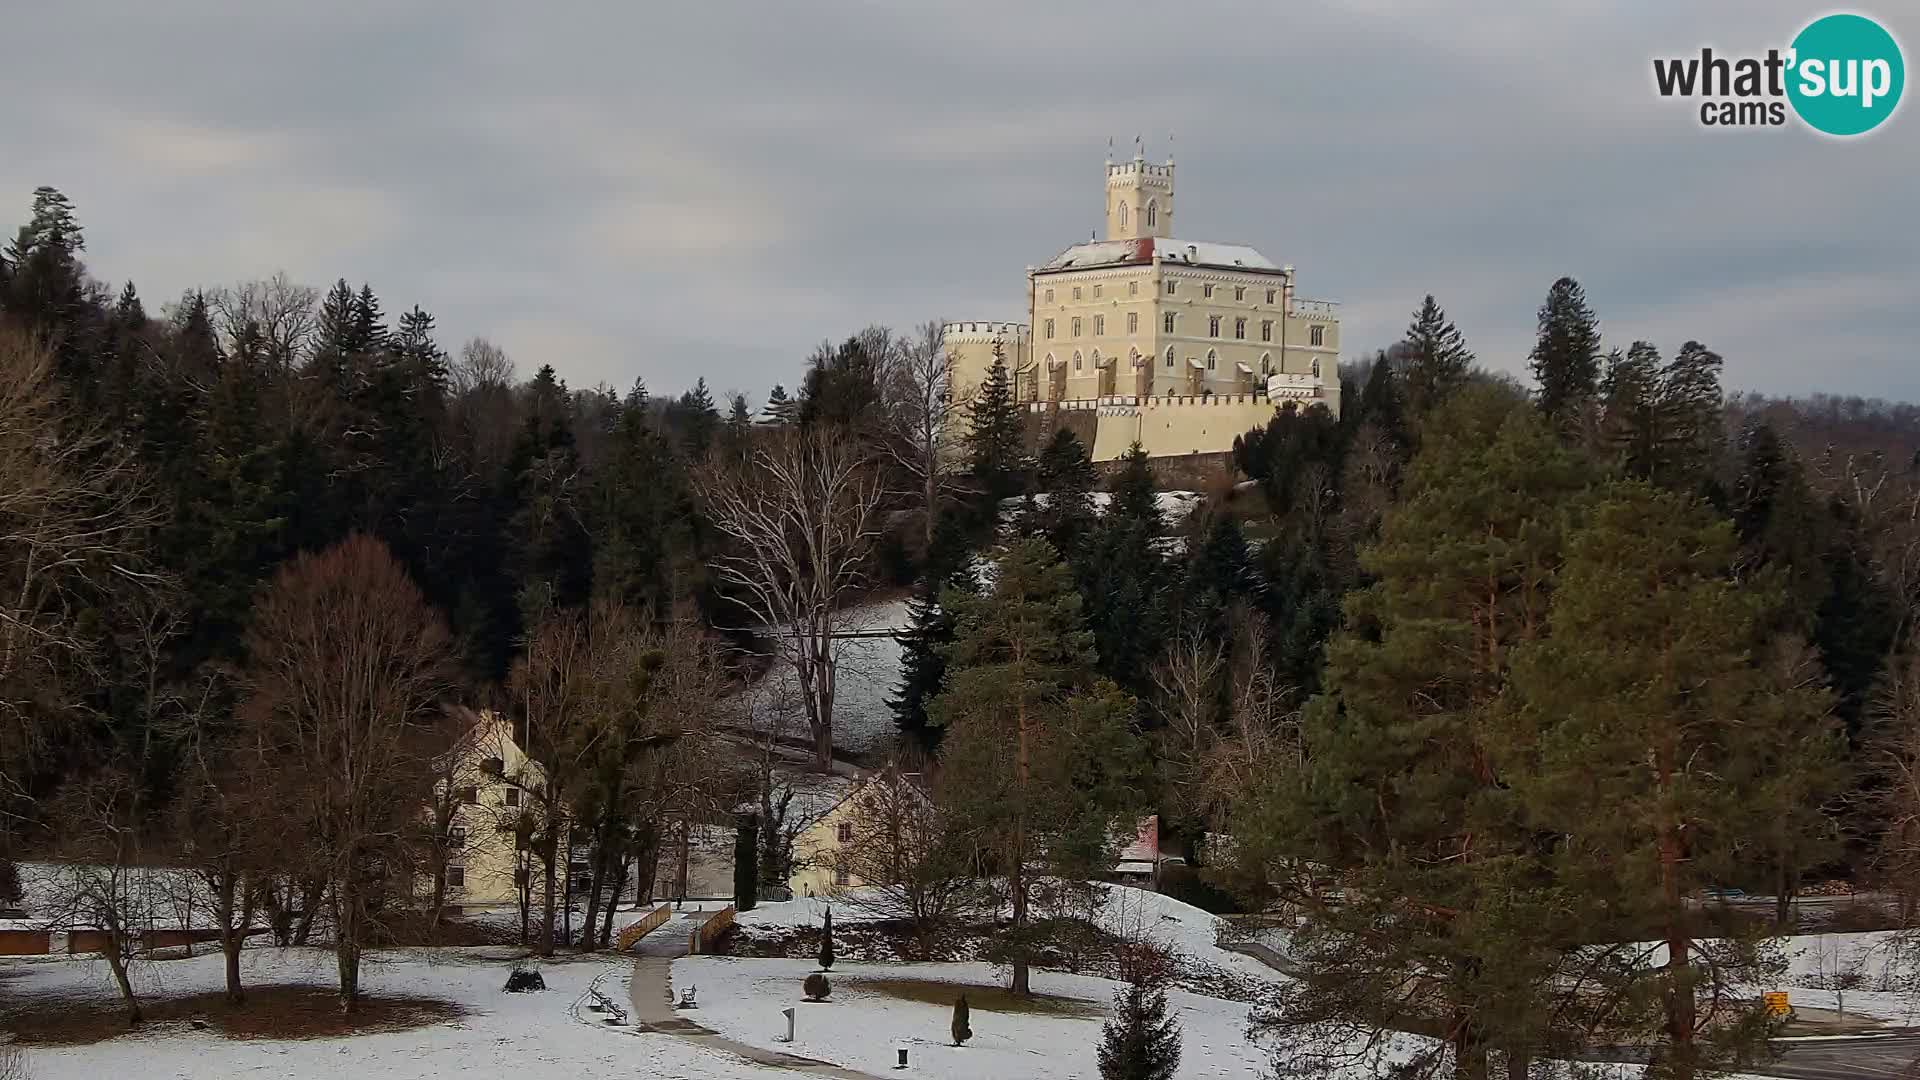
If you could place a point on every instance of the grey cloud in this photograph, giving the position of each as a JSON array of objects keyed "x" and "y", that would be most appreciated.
[{"x": 671, "y": 191}]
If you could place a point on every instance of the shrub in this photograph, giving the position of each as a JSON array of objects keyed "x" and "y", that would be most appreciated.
[
  {"x": 962, "y": 1030},
  {"x": 816, "y": 987}
]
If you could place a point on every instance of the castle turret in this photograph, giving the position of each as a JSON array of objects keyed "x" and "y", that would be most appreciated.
[{"x": 1139, "y": 198}]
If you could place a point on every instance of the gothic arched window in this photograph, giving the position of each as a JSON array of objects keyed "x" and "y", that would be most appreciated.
[
  {"x": 1076, "y": 360},
  {"x": 1212, "y": 358},
  {"x": 1266, "y": 363},
  {"x": 1123, "y": 215},
  {"x": 1169, "y": 356},
  {"x": 1153, "y": 215}
]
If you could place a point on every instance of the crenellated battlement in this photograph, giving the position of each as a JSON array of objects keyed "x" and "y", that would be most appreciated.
[
  {"x": 1139, "y": 172},
  {"x": 985, "y": 331}
]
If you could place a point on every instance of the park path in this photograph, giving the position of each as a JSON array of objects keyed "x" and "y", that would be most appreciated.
[{"x": 651, "y": 988}]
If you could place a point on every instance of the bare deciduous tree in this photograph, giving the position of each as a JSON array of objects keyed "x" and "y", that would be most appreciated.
[
  {"x": 905, "y": 860},
  {"x": 349, "y": 669},
  {"x": 99, "y": 885},
  {"x": 1188, "y": 678},
  {"x": 73, "y": 513},
  {"x": 920, "y": 386},
  {"x": 800, "y": 516}
]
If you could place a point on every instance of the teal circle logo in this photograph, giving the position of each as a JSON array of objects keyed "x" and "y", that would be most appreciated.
[{"x": 1845, "y": 74}]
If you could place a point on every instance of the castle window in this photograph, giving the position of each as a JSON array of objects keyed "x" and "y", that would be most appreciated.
[
  {"x": 1269, "y": 296},
  {"x": 1212, "y": 358},
  {"x": 1266, "y": 363},
  {"x": 1213, "y": 326},
  {"x": 1049, "y": 329},
  {"x": 1133, "y": 288},
  {"x": 1099, "y": 326},
  {"x": 1076, "y": 292},
  {"x": 1266, "y": 330},
  {"x": 1050, "y": 296},
  {"x": 1123, "y": 215},
  {"x": 1239, "y": 329},
  {"x": 1316, "y": 367},
  {"x": 842, "y": 877},
  {"x": 1133, "y": 322},
  {"x": 1170, "y": 287},
  {"x": 1206, "y": 290},
  {"x": 1239, "y": 292},
  {"x": 1152, "y": 215},
  {"x": 1169, "y": 356},
  {"x": 844, "y": 833},
  {"x": 1096, "y": 292},
  {"x": 1317, "y": 335},
  {"x": 1166, "y": 323},
  {"x": 456, "y": 877},
  {"x": 1076, "y": 327},
  {"x": 1076, "y": 361}
]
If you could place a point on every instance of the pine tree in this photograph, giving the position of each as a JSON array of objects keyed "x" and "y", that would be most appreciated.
[
  {"x": 1435, "y": 359},
  {"x": 1142, "y": 1040},
  {"x": 842, "y": 387},
  {"x": 1398, "y": 801},
  {"x": 1663, "y": 422},
  {"x": 1039, "y": 756},
  {"x": 995, "y": 445},
  {"x": 962, "y": 1026},
  {"x": 1566, "y": 356},
  {"x": 1639, "y": 753}
]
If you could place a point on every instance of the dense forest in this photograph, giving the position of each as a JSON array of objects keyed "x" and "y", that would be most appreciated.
[{"x": 1514, "y": 668}]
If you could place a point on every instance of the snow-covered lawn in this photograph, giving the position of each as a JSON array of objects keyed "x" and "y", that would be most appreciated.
[
  {"x": 539, "y": 1036},
  {"x": 865, "y": 1020},
  {"x": 862, "y": 1023}
]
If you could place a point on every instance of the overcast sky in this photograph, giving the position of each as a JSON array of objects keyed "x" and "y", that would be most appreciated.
[{"x": 627, "y": 188}]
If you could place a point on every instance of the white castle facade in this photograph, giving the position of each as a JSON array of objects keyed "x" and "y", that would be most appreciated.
[{"x": 1178, "y": 345}]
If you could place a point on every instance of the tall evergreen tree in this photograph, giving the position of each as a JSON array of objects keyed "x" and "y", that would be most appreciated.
[
  {"x": 1142, "y": 1039},
  {"x": 1039, "y": 758},
  {"x": 1638, "y": 756},
  {"x": 1435, "y": 359},
  {"x": 1566, "y": 355},
  {"x": 780, "y": 409},
  {"x": 995, "y": 444},
  {"x": 1399, "y": 801},
  {"x": 1134, "y": 497}
]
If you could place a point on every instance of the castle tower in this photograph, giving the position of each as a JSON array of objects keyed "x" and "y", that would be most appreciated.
[{"x": 1139, "y": 197}]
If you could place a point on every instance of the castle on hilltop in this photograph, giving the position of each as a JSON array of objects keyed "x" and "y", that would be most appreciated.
[{"x": 1178, "y": 345}]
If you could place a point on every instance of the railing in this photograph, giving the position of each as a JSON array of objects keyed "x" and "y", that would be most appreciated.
[
  {"x": 702, "y": 939},
  {"x": 641, "y": 929}
]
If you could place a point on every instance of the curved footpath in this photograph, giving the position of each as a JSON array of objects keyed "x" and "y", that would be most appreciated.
[{"x": 651, "y": 990}]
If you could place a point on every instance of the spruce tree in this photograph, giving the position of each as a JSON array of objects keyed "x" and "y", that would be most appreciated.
[
  {"x": 1142, "y": 1040},
  {"x": 780, "y": 408},
  {"x": 1134, "y": 499},
  {"x": 995, "y": 444},
  {"x": 1039, "y": 757},
  {"x": 1065, "y": 477},
  {"x": 1435, "y": 359},
  {"x": 1566, "y": 356}
]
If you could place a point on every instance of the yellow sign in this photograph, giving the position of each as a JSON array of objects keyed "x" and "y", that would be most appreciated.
[{"x": 1777, "y": 1004}]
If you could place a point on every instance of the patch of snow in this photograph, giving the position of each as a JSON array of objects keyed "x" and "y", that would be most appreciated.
[
  {"x": 860, "y": 1024},
  {"x": 525, "y": 1036}
]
